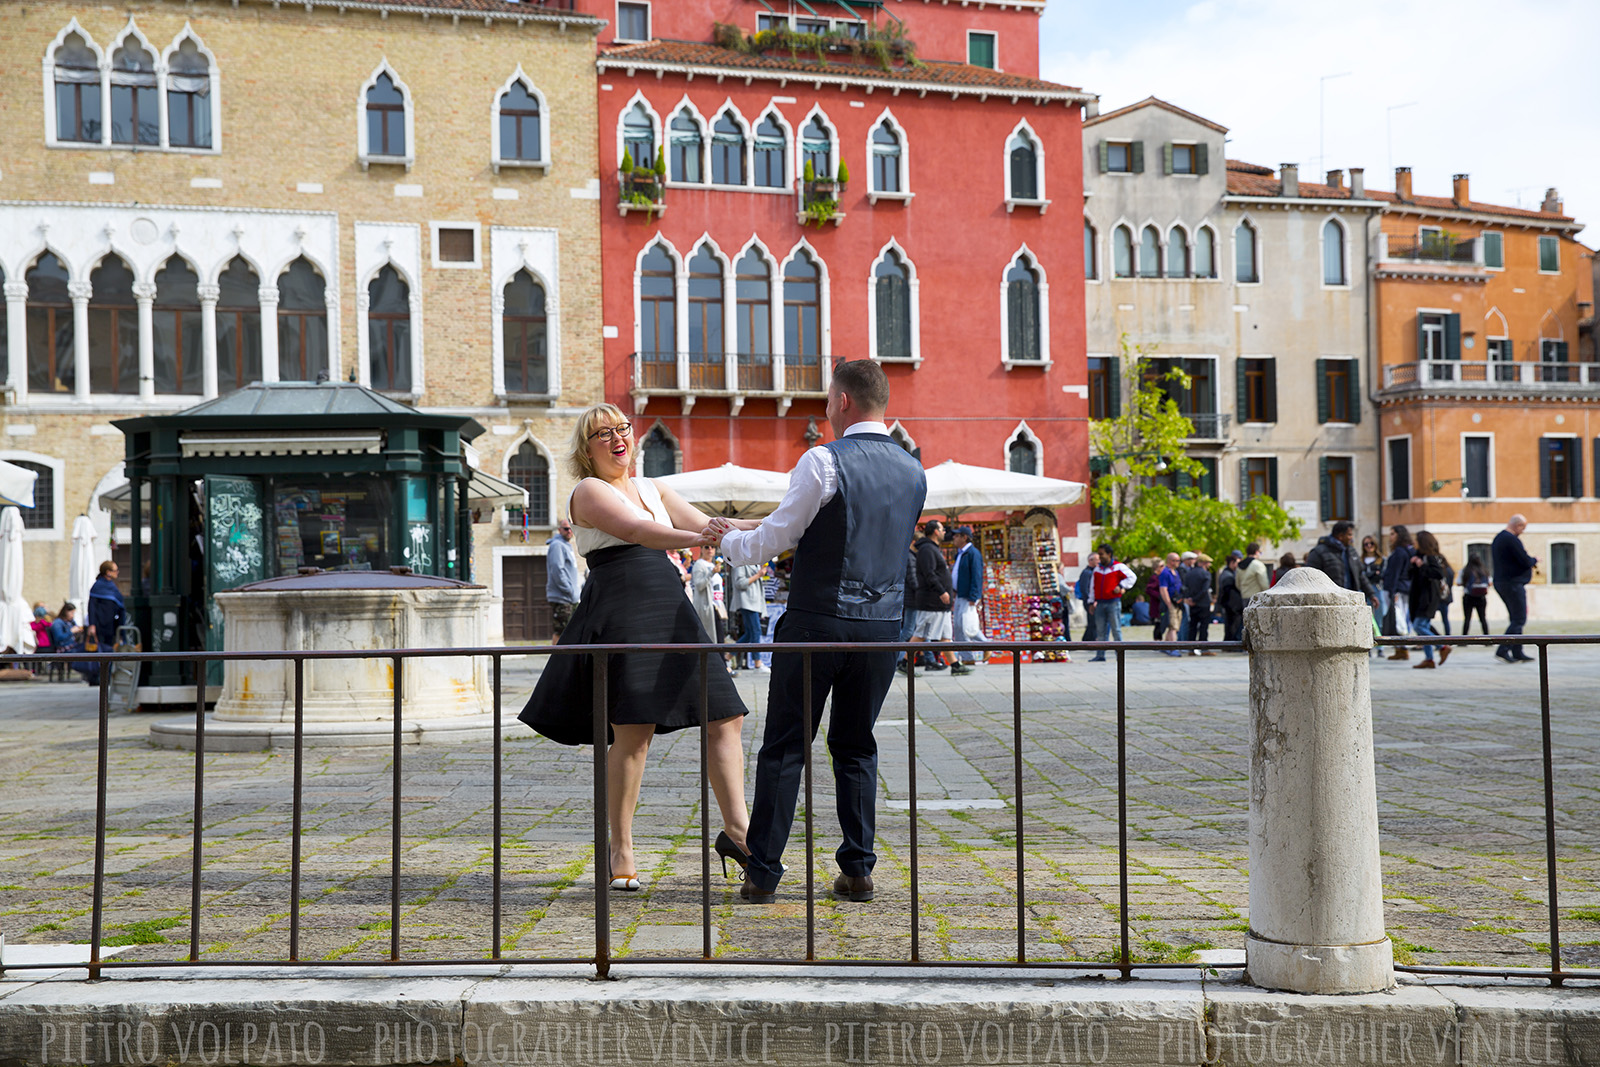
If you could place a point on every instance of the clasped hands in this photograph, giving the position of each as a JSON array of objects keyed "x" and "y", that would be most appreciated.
[{"x": 713, "y": 533}]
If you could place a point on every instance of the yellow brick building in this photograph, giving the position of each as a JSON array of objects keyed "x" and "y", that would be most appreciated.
[{"x": 196, "y": 196}]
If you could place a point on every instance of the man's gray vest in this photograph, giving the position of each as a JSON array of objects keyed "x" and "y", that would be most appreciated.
[{"x": 851, "y": 561}]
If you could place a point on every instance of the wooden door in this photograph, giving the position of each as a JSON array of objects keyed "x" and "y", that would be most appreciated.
[{"x": 526, "y": 612}]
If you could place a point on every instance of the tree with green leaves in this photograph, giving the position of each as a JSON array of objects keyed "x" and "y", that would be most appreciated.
[{"x": 1147, "y": 443}]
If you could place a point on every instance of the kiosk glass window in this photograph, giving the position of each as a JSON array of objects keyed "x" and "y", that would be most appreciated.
[{"x": 335, "y": 523}]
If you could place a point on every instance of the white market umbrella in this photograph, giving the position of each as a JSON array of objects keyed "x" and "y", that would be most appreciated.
[
  {"x": 16, "y": 485},
  {"x": 16, "y": 633},
  {"x": 85, "y": 562},
  {"x": 955, "y": 487},
  {"x": 731, "y": 491}
]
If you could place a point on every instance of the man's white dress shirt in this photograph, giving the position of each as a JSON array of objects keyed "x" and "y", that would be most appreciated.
[{"x": 813, "y": 483}]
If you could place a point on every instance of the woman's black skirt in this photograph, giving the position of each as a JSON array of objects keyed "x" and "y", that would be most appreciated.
[{"x": 633, "y": 596}]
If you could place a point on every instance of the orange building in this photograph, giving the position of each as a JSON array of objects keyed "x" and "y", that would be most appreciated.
[{"x": 1486, "y": 405}]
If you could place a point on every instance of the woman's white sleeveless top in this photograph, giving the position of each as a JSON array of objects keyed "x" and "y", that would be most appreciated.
[{"x": 587, "y": 539}]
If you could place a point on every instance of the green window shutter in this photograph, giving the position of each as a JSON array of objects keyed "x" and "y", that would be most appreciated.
[
  {"x": 1138, "y": 157},
  {"x": 1166, "y": 159},
  {"x": 1560, "y": 351},
  {"x": 1208, "y": 479},
  {"x": 1597, "y": 466},
  {"x": 1577, "y": 469},
  {"x": 1114, "y": 384},
  {"x": 1244, "y": 480},
  {"x": 1422, "y": 340},
  {"x": 1322, "y": 391},
  {"x": 1105, "y": 157},
  {"x": 1241, "y": 389},
  {"x": 1184, "y": 481},
  {"x": 1325, "y": 486},
  {"x": 1272, "y": 390},
  {"x": 1452, "y": 336},
  {"x": 1272, "y": 477},
  {"x": 1202, "y": 165},
  {"x": 1355, "y": 390},
  {"x": 1544, "y": 467}
]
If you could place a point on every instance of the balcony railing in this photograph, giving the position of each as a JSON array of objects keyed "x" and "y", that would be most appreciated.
[
  {"x": 640, "y": 190},
  {"x": 1433, "y": 249},
  {"x": 1492, "y": 374},
  {"x": 734, "y": 375},
  {"x": 1208, "y": 425}
]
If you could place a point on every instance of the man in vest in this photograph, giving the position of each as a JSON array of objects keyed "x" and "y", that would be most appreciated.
[{"x": 852, "y": 505}]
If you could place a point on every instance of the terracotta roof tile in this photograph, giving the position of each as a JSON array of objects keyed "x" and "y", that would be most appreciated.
[
  {"x": 961, "y": 77},
  {"x": 1250, "y": 179}
]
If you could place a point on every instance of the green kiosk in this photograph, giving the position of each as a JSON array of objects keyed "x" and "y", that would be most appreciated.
[{"x": 280, "y": 477}]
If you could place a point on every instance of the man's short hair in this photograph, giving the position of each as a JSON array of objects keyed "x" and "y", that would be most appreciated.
[
  {"x": 864, "y": 382},
  {"x": 1342, "y": 527},
  {"x": 107, "y": 567},
  {"x": 1105, "y": 550},
  {"x": 930, "y": 526},
  {"x": 1252, "y": 548}
]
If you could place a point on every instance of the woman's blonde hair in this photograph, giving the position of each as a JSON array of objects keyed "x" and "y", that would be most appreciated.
[{"x": 578, "y": 462}]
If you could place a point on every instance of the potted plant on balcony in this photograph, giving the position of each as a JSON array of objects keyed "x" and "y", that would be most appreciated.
[{"x": 641, "y": 185}]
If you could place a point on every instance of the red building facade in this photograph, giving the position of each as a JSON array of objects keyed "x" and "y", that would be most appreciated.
[{"x": 952, "y": 252}]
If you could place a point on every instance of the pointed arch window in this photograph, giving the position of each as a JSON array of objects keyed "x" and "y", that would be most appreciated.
[
  {"x": 1122, "y": 252},
  {"x": 816, "y": 147},
  {"x": 771, "y": 154},
  {"x": 639, "y": 136},
  {"x": 688, "y": 147},
  {"x": 1177, "y": 253},
  {"x": 1091, "y": 258},
  {"x": 302, "y": 323},
  {"x": 886, "y": 155},
  {"x": 239, "y": 326},
  {"x": 389, "y": 332},
  {"x": 1149, "y": 253},
  {"x": 134, "y": 113},
  {"x": 802, "y": 324},
  {"x": 1023, "y": 340},
  {"x": 523, "y": 329},
  {"x": 1205, "y": 253},
  {"x": 50, "y": 327},
  {"x": 113, "y": 329},
  {"x": 658, "y": 295},
  {"x": 77, "y": 81},
  {"x": 752, "y": 287},
  {"x": 521, "y": 138},
  {"x": 529, "y": 469},
  {"x": 705, "y": 320},
  {"x": 660, "y": 453},
  {"x": 176, "y": 318},
  {"x": 386, "y": 118},
  {"x": 1245, "y": 268},
  {"x": 892, "y": 303},
  {"x": 1022, "y": 455},
  {"x": 1024, "y": 167},
  {"x": 188, "y": 97},
  {"x": 1333, "y": 272},
  {"x": 727, "y": 151}
]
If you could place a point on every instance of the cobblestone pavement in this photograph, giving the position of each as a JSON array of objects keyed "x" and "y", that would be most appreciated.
[{"x": 1460, "y": 799}]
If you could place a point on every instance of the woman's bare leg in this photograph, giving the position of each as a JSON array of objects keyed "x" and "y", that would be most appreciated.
[
  {"x": 725, "y": 768},
  {"x": 624, "y": 770}
]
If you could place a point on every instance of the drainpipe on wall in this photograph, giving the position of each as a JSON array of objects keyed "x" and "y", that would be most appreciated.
[{"x": 1374, "y": 368}]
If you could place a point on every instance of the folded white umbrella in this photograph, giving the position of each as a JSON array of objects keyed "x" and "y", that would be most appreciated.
[
  {"x": 15, "y": 616},
  {"x": 729, "y": 490},
  {"x": 85, "y": 562},
  {"x": 955, "y": 487},
  {"x": 16, "y": 485}
]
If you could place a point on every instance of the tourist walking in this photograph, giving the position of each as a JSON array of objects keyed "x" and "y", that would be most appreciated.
[
  {"x": 1197, "y": 603},
  {"x": 1512, "y": 568},
  {"x": 935, "y": 594},
  {"x": 702, "y": 591},
  {"x": 851, "y": 505},
  {"x": 1372, "y": 570},
  {"x": 1229, "y": 600},
  {"x": 1397, "y": 583},
  {"x": 1083, "y": 589},
  {"x": 1169, "y": 586},
  {"x": 1111, "y": 579},
  {"x": 1253, "y": 575},
  {"x": 747, "y": 604},
  {"x": 1474, "y": 594},
  {"x": 561, "y": 589},
  {"x": 1286, "y": 563},
  {"x": 634, "y": 597},
  {"x": 969, "y": 593},
  {"x": 1428, "y": 581},
  {"x": 1334, "y": 556},
  {"x": 1448, "y": 596}
]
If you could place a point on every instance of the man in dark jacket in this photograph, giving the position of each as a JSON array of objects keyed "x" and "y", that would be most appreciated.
[
  {"x": 1197, "y": 602},
  {"x": 935, "y": 593},
  {"x": 1334, "y": 556},
  {"x": 1512, "y": 569},
  {"x": 1229, "y": 600},
  {"x": 1397, "y": 583},
  {"x": 106, "y": 613}
]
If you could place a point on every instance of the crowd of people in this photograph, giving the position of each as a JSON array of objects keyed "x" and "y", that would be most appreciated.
[{"x": 65, "y": 632}]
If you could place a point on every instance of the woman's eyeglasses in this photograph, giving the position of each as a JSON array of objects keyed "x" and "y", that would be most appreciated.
[{"x": 611, "y": 433}]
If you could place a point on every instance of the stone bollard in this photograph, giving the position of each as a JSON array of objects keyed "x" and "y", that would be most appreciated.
[{"x": 1316, "y": 885}]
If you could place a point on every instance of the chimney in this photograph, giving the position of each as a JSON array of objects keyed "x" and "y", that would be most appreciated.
[
  {"x": 1289, "y": 173},
  {"x": 1358, "y": 182},
  {"x": 1336, "y": 179},
  {"x": 1402, "y": 183},
  {"x": 1552, "y": 202},
  {"x": 1091, "y": 110},
  {"x": 1459, "y": 190}
]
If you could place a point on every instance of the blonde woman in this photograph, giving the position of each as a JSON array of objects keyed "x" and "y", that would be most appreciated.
[{"x": 634, "y": 596}]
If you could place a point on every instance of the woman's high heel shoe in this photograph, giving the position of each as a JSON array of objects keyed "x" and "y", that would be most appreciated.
[{"x": 729, "y": 851}]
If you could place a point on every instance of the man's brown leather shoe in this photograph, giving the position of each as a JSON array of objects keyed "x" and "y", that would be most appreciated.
[
  {"x": 847, "y": 887},
  {"x": 754, "y": 894}
]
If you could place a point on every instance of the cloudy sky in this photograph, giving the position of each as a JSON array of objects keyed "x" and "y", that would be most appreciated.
[{"x": 1507, "y": 91}]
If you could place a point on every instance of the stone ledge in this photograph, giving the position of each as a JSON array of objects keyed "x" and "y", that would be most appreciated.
[{"x": 746, "y": 1014}]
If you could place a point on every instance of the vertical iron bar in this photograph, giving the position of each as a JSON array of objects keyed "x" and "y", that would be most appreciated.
[
  {"x": 101, "y": 775},
  {"x": 1549, "y": 811},
  {"x": 295, "y": 817},
  {"x": 1016, "y": 766},
  {"x": 811, "y": 887},
  {"x": 394, "y": 817},
  {"x": 602, "y": 842},
  {"x": 494, "y": 890},
  {"x": 911, "y": 763},
  {"x": 705, "y": 811},
  {"x": 199, "y": 805},
  {"x": 1122, "y": 807}
]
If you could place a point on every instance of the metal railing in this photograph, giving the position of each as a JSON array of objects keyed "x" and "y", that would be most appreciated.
[
  {"x": 1208, "y": 425},
  {"x": 1491, "y": 374},
  {"x": 726, "y": 374},
  {"x": 1123, "y": 964},
  {"x": 1432, "y": 249}
]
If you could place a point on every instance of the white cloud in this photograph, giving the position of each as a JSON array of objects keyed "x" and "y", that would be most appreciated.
[{"x": 1504, "y": 92}]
